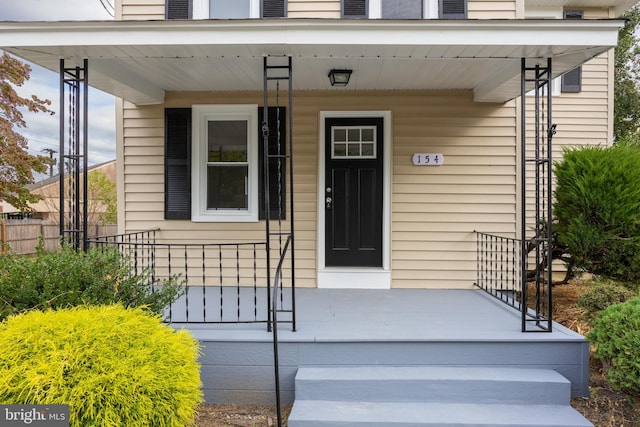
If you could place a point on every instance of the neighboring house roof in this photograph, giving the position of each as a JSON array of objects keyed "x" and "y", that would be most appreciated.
[
  {"x": 108, "y": 168},
  {"x": 49, "y": 188},
  {"x": 143, "y": 60}
]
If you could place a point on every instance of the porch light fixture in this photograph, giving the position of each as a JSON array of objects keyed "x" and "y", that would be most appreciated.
[{"x": 339, "y": 77}]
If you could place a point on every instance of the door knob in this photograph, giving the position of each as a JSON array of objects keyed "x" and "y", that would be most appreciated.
[{"x": 328, "y": 200}]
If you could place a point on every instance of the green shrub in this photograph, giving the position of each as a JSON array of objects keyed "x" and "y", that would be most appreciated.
[
  {"x": 597, "y": 209},
  {"x": 68, "y": 278},
  {"x": 113, "y": 366},
  {"x": 616, "y": 338},
  {"x": 600, "y": 294}
]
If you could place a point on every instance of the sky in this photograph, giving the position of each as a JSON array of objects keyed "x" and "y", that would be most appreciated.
[{"x": 42, "y": 130}]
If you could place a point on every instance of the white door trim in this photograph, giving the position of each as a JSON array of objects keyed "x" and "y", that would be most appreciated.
[{"x": 339, "y": 277}]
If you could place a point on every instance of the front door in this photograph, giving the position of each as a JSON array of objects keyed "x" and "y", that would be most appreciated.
[{"x": 354, "y": 192}]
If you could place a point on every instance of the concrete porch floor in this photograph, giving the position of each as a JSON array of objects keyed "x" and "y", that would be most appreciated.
[
  {"x": 398, "y": 327},
  {"x": 389, "y": 315}
]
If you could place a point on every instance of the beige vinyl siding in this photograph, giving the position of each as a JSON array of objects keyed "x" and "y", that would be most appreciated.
[
  {"x": 434, "y": 209},
  {"x": 140, "y": 9},
  {"x": 491, "y": 9},
  {"x": 313, "y": 8}
]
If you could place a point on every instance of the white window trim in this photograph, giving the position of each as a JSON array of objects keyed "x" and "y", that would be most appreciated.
[
  {"x": 430, "y": 8},
  {"x": 201, "y": 114},
  {"x": 201, "y": 9}
]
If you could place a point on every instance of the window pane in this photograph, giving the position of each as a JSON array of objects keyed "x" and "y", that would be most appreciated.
[
  {"x": 367, "y": 150},
  {"x": 367, "y": 134},
  {"x": 229, "y": 9},
  {"x": 227, "y": 141},
  {"x": 227, "y": 187},
  {"x": 354, "y": 135},
  {"x": 339, "y": 135},
  {"x": 339, "y": 150},
  {"x": 402, "y": 9}
]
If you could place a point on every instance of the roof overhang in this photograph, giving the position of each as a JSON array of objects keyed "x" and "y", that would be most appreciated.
[{"x": 140, "y": 61}]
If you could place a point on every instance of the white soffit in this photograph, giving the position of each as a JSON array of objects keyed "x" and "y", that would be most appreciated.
[{"x": 142, "y": 60}]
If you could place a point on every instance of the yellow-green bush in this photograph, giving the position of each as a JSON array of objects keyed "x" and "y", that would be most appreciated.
[{"x": 114, "y": 366}]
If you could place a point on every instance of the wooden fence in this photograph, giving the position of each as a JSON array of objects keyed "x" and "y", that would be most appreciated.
[{"x": 22, "y": 236}]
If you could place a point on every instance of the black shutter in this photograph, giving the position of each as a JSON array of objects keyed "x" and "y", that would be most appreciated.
[
  {"x": 402, "y": 9},
  {"x": 177, "y": 166},
  {"x": 276, "y": 138},
  {"x": 453, "y": 9},
  {"x": 178, "y": 9},
  {"x": 571, "y": 81},
  {"x": 274, "y": 8},
  {"x": 354, "y": 9}
]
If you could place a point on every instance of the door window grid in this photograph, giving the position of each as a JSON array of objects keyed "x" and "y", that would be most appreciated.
[{"x": 353, "y": 142}]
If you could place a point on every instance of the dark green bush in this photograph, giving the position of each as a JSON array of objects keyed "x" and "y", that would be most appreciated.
[
  {"x": 600, "y": 294},
  {"x": 113, "y": 366},
  {"x": 616, "y": 339},
  {"x": 68, "y": 278},
  {"x": 598, "y": 210}
]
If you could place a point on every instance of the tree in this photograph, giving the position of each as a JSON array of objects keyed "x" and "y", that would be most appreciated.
[
  {"x": 102, "y": 198},
  {"x": 16, "y": 164},
  {"x": 102, "y": 205},
  {"x": 626, "y": 116}
]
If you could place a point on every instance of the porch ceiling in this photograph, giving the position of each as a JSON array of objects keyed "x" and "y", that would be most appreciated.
[{"x": 140, "y": 61}]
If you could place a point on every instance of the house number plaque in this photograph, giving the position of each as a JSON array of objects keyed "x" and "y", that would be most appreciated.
[{"x": 427, "y": 159}]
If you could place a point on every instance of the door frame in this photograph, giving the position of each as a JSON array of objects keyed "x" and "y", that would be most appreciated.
[{"x": 356, "y": 277}]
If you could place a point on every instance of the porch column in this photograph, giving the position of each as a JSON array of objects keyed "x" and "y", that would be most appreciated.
[
  {"x": 73, "y": 164},
  {"x": 536, "y": 182}
]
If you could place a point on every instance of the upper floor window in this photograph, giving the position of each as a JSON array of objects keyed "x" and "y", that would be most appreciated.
[
  {"x": 572, "y": 80},
  {"x": 404, "y": 9},
  {"x": 225, "y": 9}
]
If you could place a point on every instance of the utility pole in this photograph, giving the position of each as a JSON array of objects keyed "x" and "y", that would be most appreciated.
[{"x": 51, "y": 151}]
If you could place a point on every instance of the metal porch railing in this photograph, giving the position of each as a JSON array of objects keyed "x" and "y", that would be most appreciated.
[
  {"x": 502, "y": 272},
  {"x": 223, "y": 282}
]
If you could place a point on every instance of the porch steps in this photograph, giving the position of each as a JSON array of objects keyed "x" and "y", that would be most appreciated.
[{"x": 436, "y": 396}]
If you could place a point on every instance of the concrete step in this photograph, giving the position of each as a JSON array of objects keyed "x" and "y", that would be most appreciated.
[
  {"x": 433, "y": 384},
  {"x": 315, "y": 413}
]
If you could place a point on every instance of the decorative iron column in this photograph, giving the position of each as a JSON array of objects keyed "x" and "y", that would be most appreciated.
[
  {"x": 536, "y": 183},
  {"x": 73, "y": 167},
  {"x": 276, "y": 157}
]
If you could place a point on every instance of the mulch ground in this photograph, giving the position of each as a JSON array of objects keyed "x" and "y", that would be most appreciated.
[{"x": 604, "y": 408}]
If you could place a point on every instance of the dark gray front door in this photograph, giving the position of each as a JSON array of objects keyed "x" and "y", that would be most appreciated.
[{"x": 353, "y": 193}]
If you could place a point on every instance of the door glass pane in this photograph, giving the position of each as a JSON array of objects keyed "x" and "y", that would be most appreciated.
[
  {"x": 227, "y": 141},
  {"x": 229, "y": 9},
  {"x": 227, "y": 187},
  {"x": 354, "y": 134}
]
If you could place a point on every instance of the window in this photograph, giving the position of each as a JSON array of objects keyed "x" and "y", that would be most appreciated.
[
  {"x": 353, "y": 142},
  {"x": 417, "y": 9},
  {"x": 224, "y": 162},
  {"x": 214, "y": 163},
  {"x": 225, "y": 9},
  {"x": 572, "y": 80}
]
